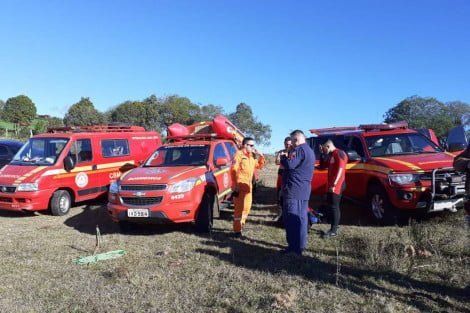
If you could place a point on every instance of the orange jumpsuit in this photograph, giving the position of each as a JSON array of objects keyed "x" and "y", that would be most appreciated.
[{"x": 242, "y": 176}]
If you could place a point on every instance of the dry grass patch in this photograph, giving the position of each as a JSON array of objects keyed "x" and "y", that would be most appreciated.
[{"x": 172, "y": 269}]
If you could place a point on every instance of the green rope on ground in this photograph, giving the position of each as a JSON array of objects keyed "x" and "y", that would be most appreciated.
[{"x": 100, "y": 257}]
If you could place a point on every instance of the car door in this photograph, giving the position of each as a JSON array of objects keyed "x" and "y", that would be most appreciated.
[
  {"x": 87, "y": 179},
  {"x": 356, "y": 177},
  {"x": 222, "y": 173}
]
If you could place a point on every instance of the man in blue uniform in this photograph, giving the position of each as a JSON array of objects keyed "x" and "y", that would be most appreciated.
[{"x": 297, "y": 179}]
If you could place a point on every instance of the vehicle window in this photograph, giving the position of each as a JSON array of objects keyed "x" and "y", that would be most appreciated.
[
  {"x": 114, "y": 147},
  {"x": 356, "y": 145},
  {"x": 179, "y": 156},
  {"x": 3, "y": 151},
  {"x": 219, "y": 152},
  {"x": 340, "y": 141},
  {"x": 399, "y": 144},
  {"x": 231, "y": 149},
  {"x": 81, "y": 151},
  {"x": 40, "y": 151}
]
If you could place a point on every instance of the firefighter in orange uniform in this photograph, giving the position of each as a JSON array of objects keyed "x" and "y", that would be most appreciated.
[{"x": 246, "y": 161}]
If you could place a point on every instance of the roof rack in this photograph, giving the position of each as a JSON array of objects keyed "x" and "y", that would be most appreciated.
[
  {"x": 334, "y": 130},
  {"x": 380, "y": 127},
  {"x": 95, "y": 129}
]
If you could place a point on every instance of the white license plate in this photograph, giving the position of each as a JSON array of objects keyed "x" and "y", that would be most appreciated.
[{"x": 138, "y": 212}]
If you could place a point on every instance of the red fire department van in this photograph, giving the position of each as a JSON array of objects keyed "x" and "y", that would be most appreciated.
[
  {"x": 392, "y": 169},
  {"x": 67, "y": 165},
  {"x": 185, "y": 180}
]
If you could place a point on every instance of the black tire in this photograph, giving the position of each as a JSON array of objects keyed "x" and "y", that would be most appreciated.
[
  {"x": 204, "y": 219},
  {"x": 380, "y": 207},
  {"x": 61, "y": 202}
]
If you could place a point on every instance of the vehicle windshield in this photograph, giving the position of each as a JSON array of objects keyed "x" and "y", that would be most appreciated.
[
  {"x": 400, "y": 144},
  {"x": 194, "y": 155},
  {"x": 40, "y": 151}
]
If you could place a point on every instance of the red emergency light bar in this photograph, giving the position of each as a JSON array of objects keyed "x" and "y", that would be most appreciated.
[
  {"x": 332, "y": 130},
  {"x": 380, "y": 127}
]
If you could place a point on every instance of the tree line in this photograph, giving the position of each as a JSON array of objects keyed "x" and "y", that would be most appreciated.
[
  {"x": 156, "y": 113},
  {"x": 153, "y": 113}
]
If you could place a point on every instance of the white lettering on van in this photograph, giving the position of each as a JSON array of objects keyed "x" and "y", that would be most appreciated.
[
  {"x": 144, "y": 138},
  {"x": 114, "y": 175},
  {"x": 9, "y": 176}
]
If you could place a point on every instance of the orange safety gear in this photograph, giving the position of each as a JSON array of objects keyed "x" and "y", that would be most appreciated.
[{"x": 242, "y": 174}]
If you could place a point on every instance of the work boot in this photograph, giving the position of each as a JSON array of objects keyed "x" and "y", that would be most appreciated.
[{"x": 329, "y": 234}]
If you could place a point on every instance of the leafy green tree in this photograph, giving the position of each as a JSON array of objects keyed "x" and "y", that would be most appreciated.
[
  {"x": 131, "y": 113},
  {"x": 39, "y": 126},
  {"x": 459, "y": 112},
  {"x": 243, "y": 118},
  {"x": 153, "y": 107},
  {"x": 53, "y": 121},
  {"x": 19, "y": 109},
  {"x": 83, "y": 113},
  {"x": 175, "y": 109},
  {"x": 422, "y": 113},
  {"x": 2, "y": 105},
  {"x": 209, "y": 111}
]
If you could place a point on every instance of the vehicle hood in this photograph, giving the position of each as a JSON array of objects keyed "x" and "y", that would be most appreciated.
[
  {"x": 14, "y": 174},
  {"x": 415, "y": 162},
  {"x": 155, "y": 175}
]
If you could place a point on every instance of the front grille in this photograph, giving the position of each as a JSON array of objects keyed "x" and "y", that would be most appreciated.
[
  {"x": 143, "y": 187},
  {"x": 142, "y": 200},
  {"x": 445, "y": 183},
  {"x": 7, "y": 189},
  {"x": 4, "y": 199}
]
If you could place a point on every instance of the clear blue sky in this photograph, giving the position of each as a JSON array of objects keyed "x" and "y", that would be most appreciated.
[{"x": 298, "y": 64}]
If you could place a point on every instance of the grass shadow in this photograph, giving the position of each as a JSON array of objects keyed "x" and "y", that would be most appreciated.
[{"x": 97, "y": 215}]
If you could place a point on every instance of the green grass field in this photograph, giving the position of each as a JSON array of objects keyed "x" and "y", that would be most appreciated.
[{"x": 418, "y": 268}]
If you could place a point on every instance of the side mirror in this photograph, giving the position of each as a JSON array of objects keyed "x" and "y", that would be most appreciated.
[
  {"x": 69, "y": 163},
  {"x": 221, "y": 162},
  {"x": 453, "y": 147},
  {"x": 353, "y": 156}
]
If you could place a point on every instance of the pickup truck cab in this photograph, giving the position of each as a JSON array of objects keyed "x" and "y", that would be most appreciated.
[
  {"x": 392, "y": 169},
  {"x": 71, "y": 164},
  {"x": 185, "y": 180}
]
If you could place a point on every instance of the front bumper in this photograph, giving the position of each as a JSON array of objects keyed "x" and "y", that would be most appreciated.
[{"x": 25, "y": 200}]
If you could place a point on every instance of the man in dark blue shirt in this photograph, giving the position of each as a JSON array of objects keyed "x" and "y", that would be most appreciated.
[{"x": 298, "y": 172}]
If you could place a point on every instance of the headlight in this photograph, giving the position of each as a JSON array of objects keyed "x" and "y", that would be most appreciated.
[
  {"x": 28, "y": 187},
  {"x": 183, "y": 186},
  {"x": 403, "y": 179},
  {"x": 114, "y": 187}
]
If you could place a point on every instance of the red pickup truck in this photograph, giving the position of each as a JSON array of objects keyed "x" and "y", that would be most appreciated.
[
  {"x": 392, "y": 169},
  {"x": 184, "y": 180}
]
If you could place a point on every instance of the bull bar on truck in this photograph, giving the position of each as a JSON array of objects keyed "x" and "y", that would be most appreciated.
[{"x": 447, "y": 190}]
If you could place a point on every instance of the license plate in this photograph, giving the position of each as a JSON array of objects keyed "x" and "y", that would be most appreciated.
[{"x": 138, "y": 212}]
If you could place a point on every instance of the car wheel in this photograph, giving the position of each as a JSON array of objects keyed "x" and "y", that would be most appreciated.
[
  {"x": 204, "y": 219},
  {"x": 61, "y": 202},
  {"x": 380, "y": 207}
]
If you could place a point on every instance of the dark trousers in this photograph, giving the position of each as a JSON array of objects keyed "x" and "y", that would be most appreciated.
[
  {"x": 295, "y": 222},
  {"x": 333, "y": 200}
]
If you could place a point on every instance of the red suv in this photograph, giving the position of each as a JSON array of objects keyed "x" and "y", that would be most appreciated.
[{"x": 392, "y": 169}]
